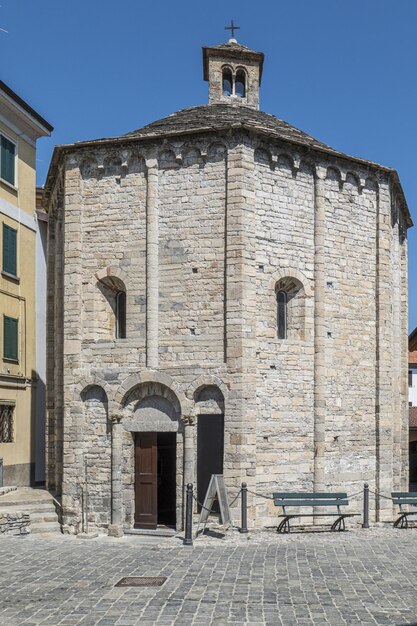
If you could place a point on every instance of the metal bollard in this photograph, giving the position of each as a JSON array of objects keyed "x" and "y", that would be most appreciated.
[
  {"x": 188, "y": 539},
  {"x": 244, "y": 492},
  {"x": 365, "y": 506}
]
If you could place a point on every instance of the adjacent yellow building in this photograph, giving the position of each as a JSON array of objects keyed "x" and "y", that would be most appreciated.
[{"x": 22, "y": 294}]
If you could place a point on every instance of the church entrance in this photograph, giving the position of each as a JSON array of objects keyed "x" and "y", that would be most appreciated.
[
  {"x": 210, "y": 448},
  {"x": 155, "y": 484}
]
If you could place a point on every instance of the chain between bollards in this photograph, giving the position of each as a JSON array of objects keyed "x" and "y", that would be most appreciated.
[
  {"x": 244, "y": 502},
  {"x": 188, "y": 539},
  {"x": 365, "y": 506}
]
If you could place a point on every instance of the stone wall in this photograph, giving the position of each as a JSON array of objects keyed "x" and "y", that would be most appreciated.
[
  {"x": 285, "y": 368},
  {"x": 14, "y": 524},
  {"x": 204, "y": 231}
]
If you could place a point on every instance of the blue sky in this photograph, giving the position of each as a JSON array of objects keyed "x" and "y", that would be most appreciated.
[{"x": 343, "y": 71}]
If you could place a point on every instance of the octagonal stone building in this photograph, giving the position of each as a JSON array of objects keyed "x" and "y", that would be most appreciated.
[{"x": 226, "y": 295}]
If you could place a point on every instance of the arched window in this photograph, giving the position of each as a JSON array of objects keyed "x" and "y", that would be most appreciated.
[
  {"x": 110, "y": 309},
  {"x": 282, "y": 314},
  {"x": 290, "y": 308},
  {"x": 227, "y": 82},
  {"x": 120, "y": 313},
  {"x": 240, "y": 84}
]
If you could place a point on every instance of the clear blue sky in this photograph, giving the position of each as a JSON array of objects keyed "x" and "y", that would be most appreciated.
[{"x": 345, "y": 72}]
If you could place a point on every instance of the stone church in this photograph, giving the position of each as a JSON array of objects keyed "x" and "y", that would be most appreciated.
[{"x": 226, "y": 295}]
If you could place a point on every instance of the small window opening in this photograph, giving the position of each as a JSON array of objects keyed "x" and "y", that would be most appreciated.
[
  {"x": 6, "y": 422},
  {"x": 227, "y": 82},
  {"x": 240, "y": 84},
  {"x": 121, "y": 315},
  {"x": 282, "y": 302}
]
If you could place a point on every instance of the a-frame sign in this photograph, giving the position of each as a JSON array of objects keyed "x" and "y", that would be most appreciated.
[{"x": 216, "y": 487}]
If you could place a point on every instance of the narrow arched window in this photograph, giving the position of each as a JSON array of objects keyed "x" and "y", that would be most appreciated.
[
  {"x": 120, "y": 315},
  {"x": 227, "y": 82},
  {"x": 282, "y": 312},
  {"x": 240, "y": 84}
]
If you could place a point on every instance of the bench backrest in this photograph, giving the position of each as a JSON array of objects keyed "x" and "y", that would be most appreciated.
[
  {"x": 285, "y": 498},
  {"x": 404, "y": 497}
]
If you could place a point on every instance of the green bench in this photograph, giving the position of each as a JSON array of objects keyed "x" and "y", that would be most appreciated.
[
  {"x": 404, "y": 498},
  {"x": 331, "y": 501}
]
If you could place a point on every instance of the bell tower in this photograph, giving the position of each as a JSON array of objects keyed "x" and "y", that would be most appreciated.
[{"x": 234, "y": 74}]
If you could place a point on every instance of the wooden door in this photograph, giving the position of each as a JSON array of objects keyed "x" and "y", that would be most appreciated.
[{"x": 146, "y": 479}]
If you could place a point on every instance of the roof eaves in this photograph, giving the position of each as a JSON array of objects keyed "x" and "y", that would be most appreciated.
[
  {"x": 25, "y": 106},
  {"x": 125, "y": 139}
]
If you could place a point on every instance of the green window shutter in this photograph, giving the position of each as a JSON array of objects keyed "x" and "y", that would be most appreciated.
[
  {"x": 8, "y": 150},
  {"x": 9, "y": 250},
  {"x": 10, "y": 338}
]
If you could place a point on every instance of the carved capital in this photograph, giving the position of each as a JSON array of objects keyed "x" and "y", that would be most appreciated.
[{"x": 189, "y": 420}]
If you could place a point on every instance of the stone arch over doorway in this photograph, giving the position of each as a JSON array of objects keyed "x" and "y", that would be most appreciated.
[{"x": 152, "y": 454}]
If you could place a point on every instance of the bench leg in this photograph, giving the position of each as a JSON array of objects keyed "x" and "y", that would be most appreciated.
[
  {"x": 284, "y": 526},
  {"x": 339, "y": 524},
  {"x": 402, "y": 521}
]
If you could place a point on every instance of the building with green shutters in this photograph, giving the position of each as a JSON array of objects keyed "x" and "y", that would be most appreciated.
[{"x": 22, "y": 295}]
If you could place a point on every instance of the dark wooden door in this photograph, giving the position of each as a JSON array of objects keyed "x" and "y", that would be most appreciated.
[
  {"x": 210, "y": 448},
  {"x": 146, "y": 480}
]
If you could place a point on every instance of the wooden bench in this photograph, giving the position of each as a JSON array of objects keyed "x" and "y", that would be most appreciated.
[
  {"x": 303, "y": 499},
  {"x": 404, "y": 498}
]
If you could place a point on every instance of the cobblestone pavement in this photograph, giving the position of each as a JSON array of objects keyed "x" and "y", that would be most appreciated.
[{"x": 358, "y": 577}]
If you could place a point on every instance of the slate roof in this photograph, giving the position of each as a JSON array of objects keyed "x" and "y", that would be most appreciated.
[
  {"x": 234, "y": 45},
  {"x": 219, "y": 116}
]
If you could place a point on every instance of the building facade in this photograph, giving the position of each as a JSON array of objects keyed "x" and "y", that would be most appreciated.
[
  {"x": 22, "y": 411},
  {"x": 220, "y": 287}
]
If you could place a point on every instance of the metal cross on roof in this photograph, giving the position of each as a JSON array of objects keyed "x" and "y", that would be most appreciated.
[{"x": 232, "y": 28}]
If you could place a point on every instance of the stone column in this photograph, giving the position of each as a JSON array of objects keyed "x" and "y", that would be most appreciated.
[
  {"x": 384, "y": 420},
  {"x": 319, "y": 332},
  {"x": 189, "y": 452},
  {"x": 116, "y": 528},
  {"x": 396, "y": 335},
  {"x": 189, "y": 459},
  {"x": 404, "y": 359},
  {"x": 152, "y": 265},
  {"x": 71, "y": 307},
  {"x": 241, "y": 310}
]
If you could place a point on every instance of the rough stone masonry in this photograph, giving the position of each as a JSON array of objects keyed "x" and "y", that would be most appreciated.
[{"x": 169, "y": 251}]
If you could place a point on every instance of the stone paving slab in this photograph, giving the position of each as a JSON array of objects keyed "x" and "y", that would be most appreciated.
[{"x": 358, "y": 577}]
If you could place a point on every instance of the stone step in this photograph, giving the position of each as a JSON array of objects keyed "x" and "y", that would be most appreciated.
[
  {"x": 10, "y": 501},
  {"x": 32, "y": 506},
  {"x": 38, "y": 503},
  {"x": 44, "y": 527},
  {"x": 42, "y": 517}
]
